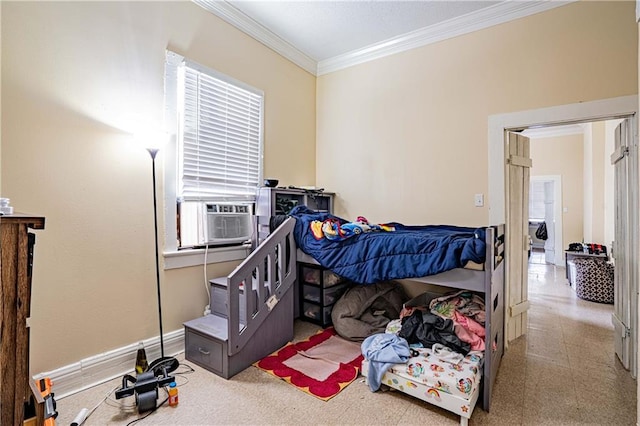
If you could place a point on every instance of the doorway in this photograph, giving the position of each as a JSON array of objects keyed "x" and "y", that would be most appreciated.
[
  {"x": 545, "y": 205},
  {"x": 566, "y": 114}
]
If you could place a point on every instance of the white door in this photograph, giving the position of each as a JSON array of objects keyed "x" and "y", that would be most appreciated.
[
  {"x": 549, "y": 244},
  {"x": 518, "y": 165},
  {"x": 624, "y": 250}
]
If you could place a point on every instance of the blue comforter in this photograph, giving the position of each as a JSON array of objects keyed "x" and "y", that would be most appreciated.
[{"x": 407, "y": 252}]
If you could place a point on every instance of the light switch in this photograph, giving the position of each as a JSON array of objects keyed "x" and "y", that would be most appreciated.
[
  {"x": 565, "y": 210},
  {"x": 479, "y": 200}
]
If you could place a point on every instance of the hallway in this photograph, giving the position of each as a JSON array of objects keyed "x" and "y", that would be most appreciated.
[{"x": 571, "y": 374}]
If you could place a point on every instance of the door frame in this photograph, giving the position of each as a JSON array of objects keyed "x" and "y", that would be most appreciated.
[
  {"x": 557, "y": 214},
  {"x": 498, "y": 124}
]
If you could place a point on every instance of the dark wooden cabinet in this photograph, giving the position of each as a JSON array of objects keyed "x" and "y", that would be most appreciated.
[{"x": 16, "y": 246}]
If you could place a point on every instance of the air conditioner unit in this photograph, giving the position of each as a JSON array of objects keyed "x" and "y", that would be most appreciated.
[
  {"x": 225, "y": 223},
  {"x": 215, "y": 223}
]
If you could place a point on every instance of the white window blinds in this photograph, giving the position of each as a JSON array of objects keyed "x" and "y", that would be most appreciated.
[{"x": 219, "y": 135}]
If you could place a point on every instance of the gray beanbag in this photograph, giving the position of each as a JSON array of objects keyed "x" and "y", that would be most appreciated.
[{"x": 364, "y": 310}]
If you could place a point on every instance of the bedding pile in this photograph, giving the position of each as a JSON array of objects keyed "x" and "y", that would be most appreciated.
[
  {"x": 455, "y": 319},
  {"x": 446, "y": 335},
  {"x": 364, "y": 253}
]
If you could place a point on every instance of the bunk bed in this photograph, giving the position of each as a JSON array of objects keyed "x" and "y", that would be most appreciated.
[{"x": 454, "y": 258}]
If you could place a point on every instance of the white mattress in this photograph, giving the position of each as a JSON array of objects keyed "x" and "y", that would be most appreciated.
[{"x": 461, "y": 379}]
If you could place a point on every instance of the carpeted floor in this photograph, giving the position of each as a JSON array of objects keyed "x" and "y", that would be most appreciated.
[{"x": 564, "y": 371}]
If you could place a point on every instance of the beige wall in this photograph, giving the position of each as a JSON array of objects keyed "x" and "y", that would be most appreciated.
[
  {"x": 562, "y": 156},
  {"x": 595, "y": 168},
  {"x": 587, "y": 185},
  {"x": 74, "y": 76},
  {"x": 405, "y": 137}
]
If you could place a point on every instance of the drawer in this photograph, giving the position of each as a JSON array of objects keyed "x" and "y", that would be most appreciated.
[
  {"x": 311, "y": 293},
  {"x": 316, "y": 313},
  {"x": 320, "y": 276},
  {"x": 204, "y": 351}
]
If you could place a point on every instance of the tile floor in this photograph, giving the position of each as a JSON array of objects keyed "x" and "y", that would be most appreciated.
[{"x": 562, "y": 372}]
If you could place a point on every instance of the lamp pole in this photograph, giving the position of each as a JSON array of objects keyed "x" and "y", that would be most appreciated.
[
  {"x": 145, "y": 385},
  {"x": 152, "y": 153}
]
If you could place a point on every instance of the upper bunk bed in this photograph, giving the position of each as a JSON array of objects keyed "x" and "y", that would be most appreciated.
[{"x": 364, "y": 253}]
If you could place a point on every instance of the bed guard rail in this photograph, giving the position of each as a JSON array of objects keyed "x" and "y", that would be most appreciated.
[{"x": 270, "y": 271}]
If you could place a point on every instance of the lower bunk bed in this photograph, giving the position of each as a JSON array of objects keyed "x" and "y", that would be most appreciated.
[
  {"x": 454, "y": 387},
  {"x": 455, "y": 259}
]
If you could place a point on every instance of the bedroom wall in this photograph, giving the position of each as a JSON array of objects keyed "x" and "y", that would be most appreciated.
[
  {"x": 411, "y": 129},
  {"x": 74, "y": 76},
  {"x": 562, "y": 156},
  {"x": 594, "y": 199}
]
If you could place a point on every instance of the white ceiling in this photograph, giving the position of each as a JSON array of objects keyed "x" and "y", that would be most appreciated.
[
  {"x": 324, "y": 29},
  {"x": 323, "y": 36}
]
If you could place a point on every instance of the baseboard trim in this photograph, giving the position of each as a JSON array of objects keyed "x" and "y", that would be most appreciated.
[{"x": 106, "y": 366}]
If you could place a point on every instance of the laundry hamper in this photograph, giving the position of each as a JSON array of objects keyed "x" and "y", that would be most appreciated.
[{"x": 594, "y": 280}]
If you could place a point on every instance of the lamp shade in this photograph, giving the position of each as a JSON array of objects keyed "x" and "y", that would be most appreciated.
[{"x": 151, "y": 139}]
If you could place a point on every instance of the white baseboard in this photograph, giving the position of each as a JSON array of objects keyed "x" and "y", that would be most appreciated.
[{"x": 106, "y": 366}]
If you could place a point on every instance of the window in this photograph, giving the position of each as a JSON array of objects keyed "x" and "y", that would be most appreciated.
[
  {"x": 216, "y": 159},
  {"x": 219, "y": 135}
]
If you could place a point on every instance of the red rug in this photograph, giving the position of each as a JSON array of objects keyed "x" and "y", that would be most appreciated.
[{"x": 322, "y": 365}]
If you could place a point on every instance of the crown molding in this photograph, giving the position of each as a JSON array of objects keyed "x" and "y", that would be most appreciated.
[
  {"x": 233, "y": 16},
  {"x": 474, "y": 21}
]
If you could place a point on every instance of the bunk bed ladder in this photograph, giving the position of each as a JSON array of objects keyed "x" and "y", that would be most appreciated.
[
  {"x": 271, "y": 268},
  {"x": 257, "y": 318}
]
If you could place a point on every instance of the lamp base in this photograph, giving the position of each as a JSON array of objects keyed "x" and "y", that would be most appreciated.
[
  {"x": 164, "y": 365},
  {"x": 145, "y": 386}
]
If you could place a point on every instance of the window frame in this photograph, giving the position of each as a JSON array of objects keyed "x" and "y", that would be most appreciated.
[{"x": 175, "y": 257}]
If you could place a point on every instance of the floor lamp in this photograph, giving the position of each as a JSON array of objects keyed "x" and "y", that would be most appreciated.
[
  {"x": 145, "y": 385},
  {"x": 169, "y": 362}
]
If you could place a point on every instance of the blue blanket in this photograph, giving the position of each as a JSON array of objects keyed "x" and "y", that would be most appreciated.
[{"x": 407, "y": 252}]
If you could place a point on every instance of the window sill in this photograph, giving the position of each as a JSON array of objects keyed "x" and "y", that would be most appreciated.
[{"x": 186, "y": 258}]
